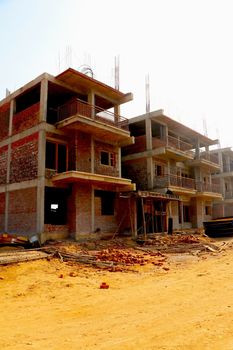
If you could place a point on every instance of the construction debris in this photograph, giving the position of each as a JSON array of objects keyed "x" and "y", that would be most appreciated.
[{"x": 16, "y": 256}]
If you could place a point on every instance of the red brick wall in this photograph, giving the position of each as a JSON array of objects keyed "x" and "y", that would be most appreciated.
[
  {"x": 22, "y": 211},
  {"x": 105, "y": 169},
  {"x": 3, "y": 164},
  {"x": 83, "y": 208},
  {"x": 136, "y": 170},
  {"x": 138, "y": 146},
  {"x": 25, "y": 119},
  {"x": 24, "y": 159},
  {"x": 218, "y": 210},
  {"x": 2, "y": 211},
  {"x": 106, "y": 223},
  {"x": 4, "y": 121},
  {"x": 83, "y": 152}
]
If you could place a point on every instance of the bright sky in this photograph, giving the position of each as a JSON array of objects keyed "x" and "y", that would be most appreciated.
[{"x": 184, "y": 45}]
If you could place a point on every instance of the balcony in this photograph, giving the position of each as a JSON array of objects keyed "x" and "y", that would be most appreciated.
[
  {"x": 209, "y": 190},
  {"x": 206, "y": 160},
  {"x": 173, "y": 147},
  {"x": 178, "y": 184},
  {"x": 111, "y": 183},
  {"x": 80, "y": 115}
]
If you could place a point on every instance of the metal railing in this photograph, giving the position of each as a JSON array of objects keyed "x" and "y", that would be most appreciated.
[
  {"x": 174, "y": 180},
  {"x": 207, "y": 187},
  {"x": 185, "y": 182},
  {"x": 78, "y": 107},
  {"x": 213, "y": 158},
  {"x": 179, "y": 144}
]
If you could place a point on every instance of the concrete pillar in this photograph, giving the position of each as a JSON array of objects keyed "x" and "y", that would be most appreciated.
[
  {"x": 12, "y": 111},
  {"x": 228, "y": 161},
  {"x": 91, "y": 101},
  {"x": 150, "y": 173},
  {"x": 43, "y": 100},
  {"x": 116, "y": 114},
  {"x": 92, "y": 209},
  {"x": 92, "y": 155},
  {"x": 119, "y": 161},
  {"x": 197, "y": 150},
  {"x": 148, "y": 134},
  {"x": 41, "y": 180}
]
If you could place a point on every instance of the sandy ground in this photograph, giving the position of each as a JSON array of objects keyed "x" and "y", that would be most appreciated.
[{"x": 52, "y": 305}]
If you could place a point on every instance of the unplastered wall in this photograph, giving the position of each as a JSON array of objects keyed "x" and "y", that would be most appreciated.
[
  {"x": 24, "y": 159},
  {"x": 105, "y": 169},
  {"x": 4, "y": 121},
  {"x": 136, "y": 170},
  {"x": 82, "y": 217},
  {"x": 25, "y": 119},
  {"x": 22, "y": 211},
  {"x": 2, "y": 212},
  {"x": 83, "y": 151},
  {"x": 106, "y": 223},
  {"x": 3, "y": 164}
]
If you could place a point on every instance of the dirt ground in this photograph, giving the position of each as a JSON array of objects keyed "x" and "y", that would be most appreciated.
[{"x": 49, "y": 304}]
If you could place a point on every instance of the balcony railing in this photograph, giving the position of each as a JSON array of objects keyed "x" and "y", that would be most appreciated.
[
  {"x": 206, "y": 187},
  {"x": 228, "y": 195},
  {"x": 179, "y": 144},
  {"x": 213, "y": 158},
  {"x": 227, "y": 169},
  {"x": 185, "y": 182},
  {"x": 173, "y": 180},
  {"x": 78, "y": 107}
]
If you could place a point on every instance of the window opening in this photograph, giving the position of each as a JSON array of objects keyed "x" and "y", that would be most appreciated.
[
  {"x": 56, "y": 156},
  {"x": 107, "y": 158},
  {"x": 55, "y": 206},
  {"x": 186, "y": 213},
  {"x": 107, "y": 201}
]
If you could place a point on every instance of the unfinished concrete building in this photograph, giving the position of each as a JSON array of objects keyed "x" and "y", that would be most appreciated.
[
  {"x": 225, "y": 176},
  {"x": 60, "y": 153},
  {"x": 172, "y": 159}
]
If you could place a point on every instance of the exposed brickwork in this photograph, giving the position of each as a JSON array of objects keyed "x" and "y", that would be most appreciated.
[
  {"x": 218, "y": 210},
  {"x": 83, "y": 208},
  {"x": 22, "y": 211},
  {"x": 25, "y": 119},
  {"x": 2, "y": 211},
  {"x": 228, "y": 209},
  {"x": 4, "y": 120},
  {"x": 104, "y": 222},
  {"x": 138, "y": 146},
  {"x": 57, "y": 137},
  {"x": 137, "y": 171},
  {"x": 24, "y": 159},
  {"x": 84, "y": 152},
  {"x": 3, "y": 164},
  {"x": 106, "y": 169}
]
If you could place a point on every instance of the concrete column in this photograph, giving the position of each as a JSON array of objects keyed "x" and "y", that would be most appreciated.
[
  {"x": 116, "y": 114},
  {"x": 41, "y": 181},
  {"x": 43, "y": 100},
  {"x": 92, "y": 209},
  {"x": 91, "y": 101},
  {"x": 182, "y": 214},
  {"x": 197, "y": 152},
  {"x": 12, "y": 110},
  {"x": 150, "y": 173},
  {"x": 119, "y": 161},
  {"x": 148, "y": 134},
  {"x": 228, "y": 161},
  {"x": 92, "y": 155}
]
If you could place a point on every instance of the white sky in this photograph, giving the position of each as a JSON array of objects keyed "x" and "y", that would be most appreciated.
[{"x": 184, "y": 45}]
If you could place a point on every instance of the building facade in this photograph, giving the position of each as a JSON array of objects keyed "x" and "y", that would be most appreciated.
[
  {"x": 60, "y": 153},
  {"x": 170, "y": 158},
  {"x": 225, "y": 176}
]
